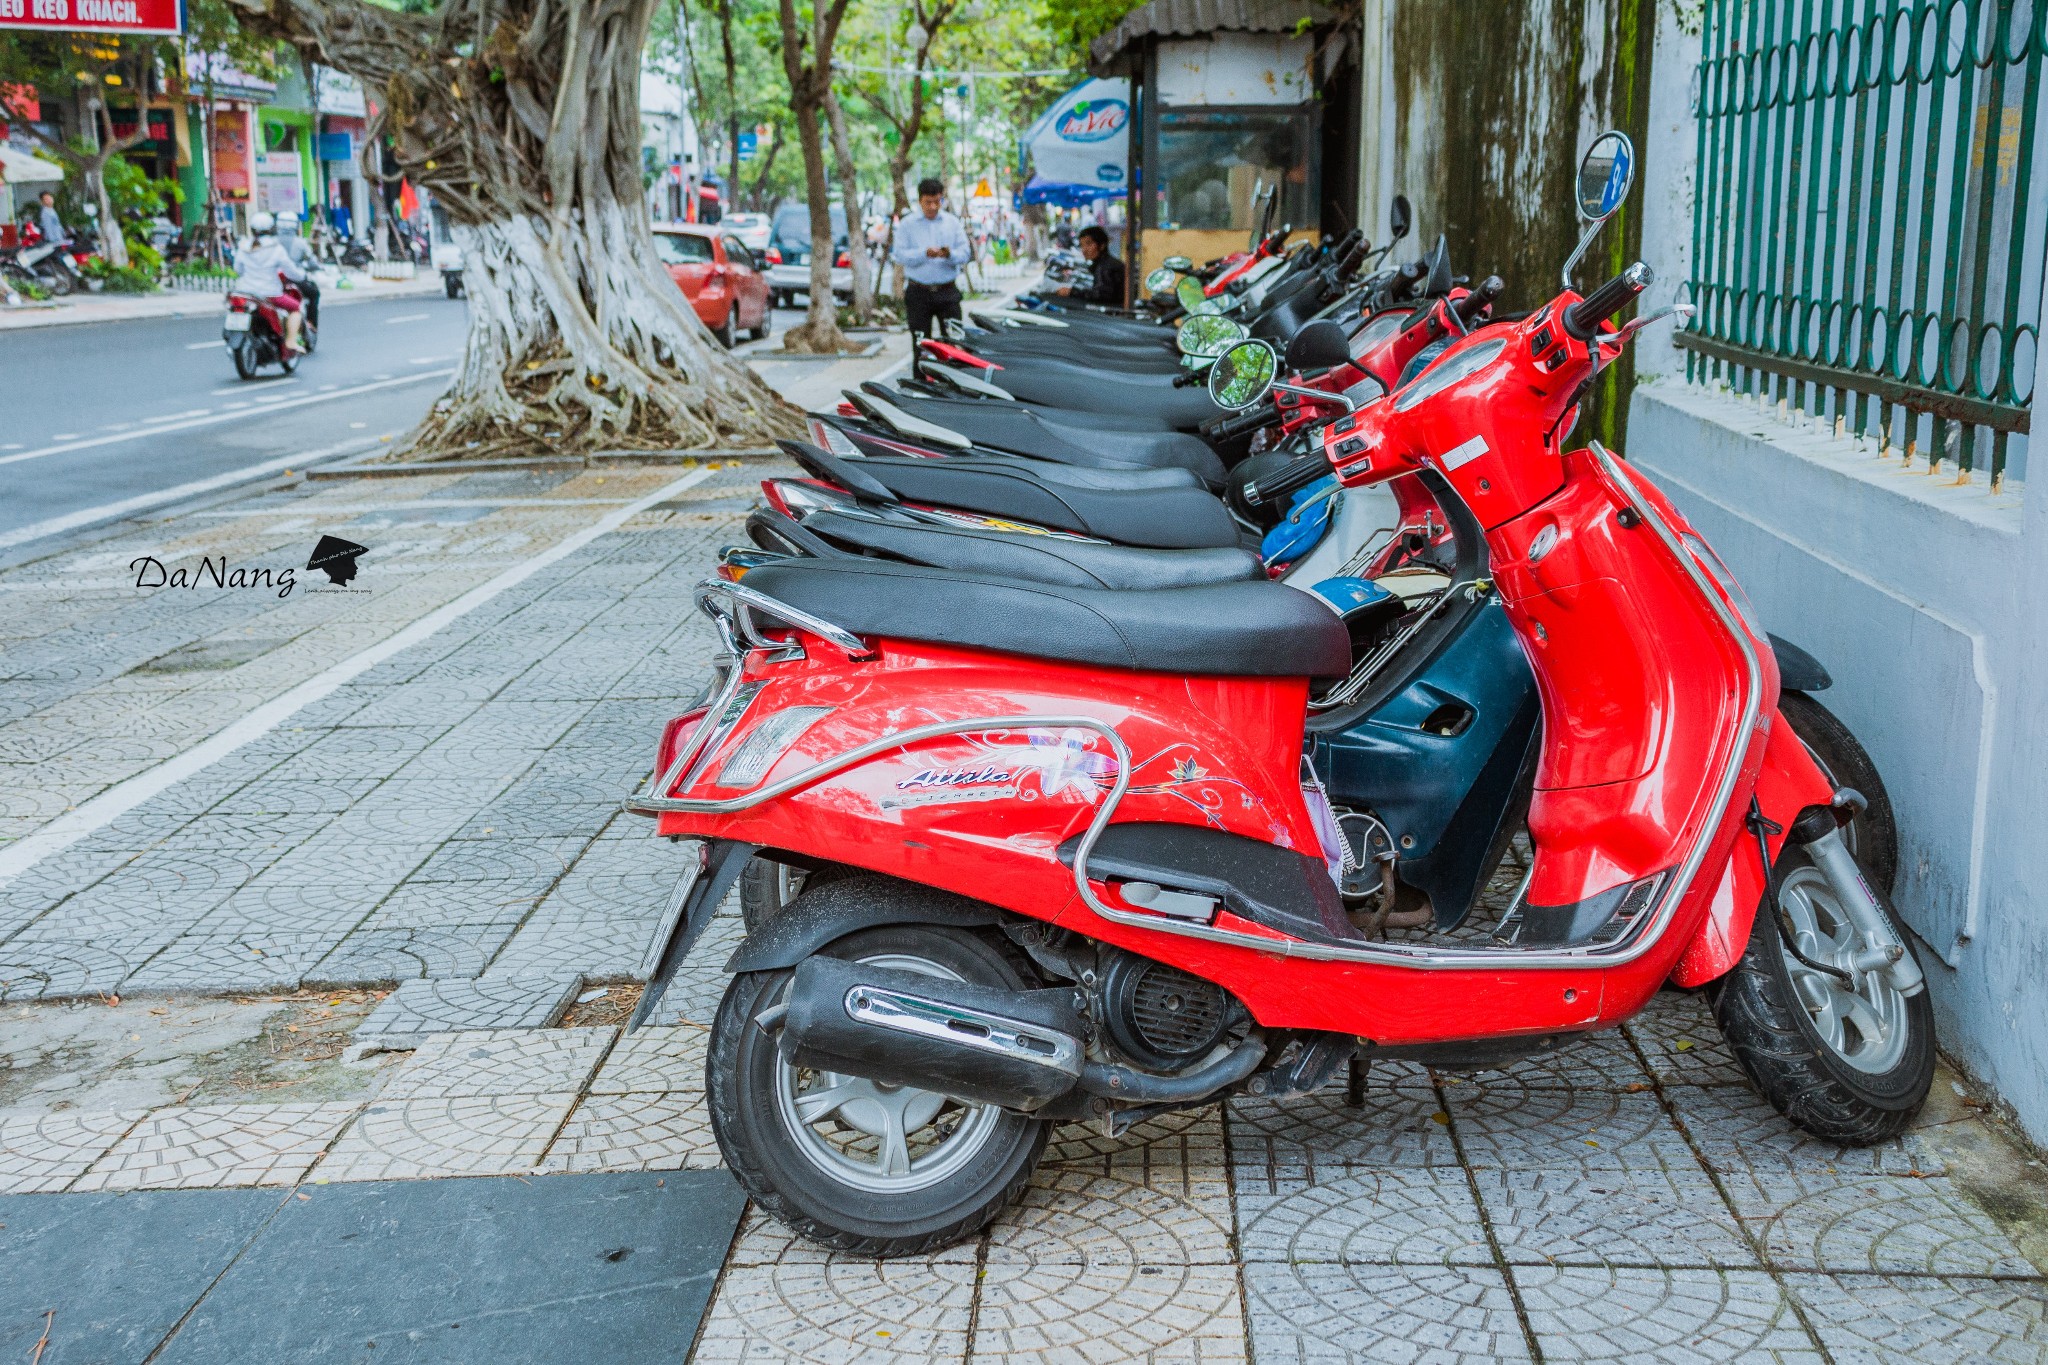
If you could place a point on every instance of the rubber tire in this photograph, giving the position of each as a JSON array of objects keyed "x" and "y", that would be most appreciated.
[
  {"x": 763, "y": 1156},
  {"x": 286, "y": 361},
  {"x": 245, "y": 360},
  {"x": 1848, "y": 764},
  {"x": 1776, "y": 1045},
  {"x": 759, "y": 332},
  {"x": 58, "y": 282},
  {"x": 761, "y": 897},
  {"x": 727, "y": 337}
]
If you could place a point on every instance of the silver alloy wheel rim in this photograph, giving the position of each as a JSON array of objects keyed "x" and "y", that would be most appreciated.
[
  {"x": 789, "y": 881},
  {"x": 1865, "y": 1026},
  {"x": 891, "y": 1114}
]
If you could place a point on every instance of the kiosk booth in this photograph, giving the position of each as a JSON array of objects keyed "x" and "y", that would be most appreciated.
[{"x": 1234, "y": 100}]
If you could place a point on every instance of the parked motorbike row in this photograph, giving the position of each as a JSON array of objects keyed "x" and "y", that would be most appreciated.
[{"x": 1124, "y": 712}]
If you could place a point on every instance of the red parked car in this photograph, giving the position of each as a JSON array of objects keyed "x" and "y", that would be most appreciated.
[{"x": 719, "y": 276}]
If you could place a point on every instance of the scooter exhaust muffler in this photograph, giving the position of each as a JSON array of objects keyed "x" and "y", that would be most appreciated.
[{"x": 1018, "y": 1049}]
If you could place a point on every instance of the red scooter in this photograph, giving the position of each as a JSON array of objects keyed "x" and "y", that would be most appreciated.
[
  {"x": 1082, "y": 871},
  {"x": 253, "y": 331}
]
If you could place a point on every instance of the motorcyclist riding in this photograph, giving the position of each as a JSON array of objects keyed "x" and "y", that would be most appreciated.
[{"x": 262, "y": 266}]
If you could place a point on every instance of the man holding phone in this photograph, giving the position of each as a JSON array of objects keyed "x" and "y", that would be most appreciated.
[{"x": 931, "y": 246}]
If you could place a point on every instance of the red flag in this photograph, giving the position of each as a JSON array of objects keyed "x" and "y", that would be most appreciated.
[{"x": 408, "y": 202}]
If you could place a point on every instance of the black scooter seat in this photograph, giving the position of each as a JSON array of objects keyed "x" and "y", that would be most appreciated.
[
  {"x": 1253, "y": 630},
  {"x": 1050, "y": 434},
  {"x": 1184, "y": 518},
  {"x": 1008, "y": 554}
]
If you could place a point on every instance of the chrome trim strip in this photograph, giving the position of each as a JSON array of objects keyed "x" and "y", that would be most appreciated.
[{"x": 900, "y": 1012}]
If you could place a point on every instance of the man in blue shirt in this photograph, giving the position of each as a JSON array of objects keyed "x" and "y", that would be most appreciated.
[{"x": 931, "y": 246}]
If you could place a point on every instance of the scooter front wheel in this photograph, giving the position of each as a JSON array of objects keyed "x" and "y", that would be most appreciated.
[
  {"x": 849, "y": 1163},
  {"x": 1838, "y": 1050},
  {"x": 244, "y": 352}
]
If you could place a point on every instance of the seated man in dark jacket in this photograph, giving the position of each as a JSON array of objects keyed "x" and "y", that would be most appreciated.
[{"x": 1108, "y": 286}]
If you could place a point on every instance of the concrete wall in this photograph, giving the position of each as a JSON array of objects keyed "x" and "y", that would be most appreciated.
[
  {"x": 1479, "y": 113},
  {"x": 1927, "y": 600}
]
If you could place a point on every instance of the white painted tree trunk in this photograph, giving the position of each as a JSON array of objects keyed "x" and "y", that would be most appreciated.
[{"x": 583, "y": 341}]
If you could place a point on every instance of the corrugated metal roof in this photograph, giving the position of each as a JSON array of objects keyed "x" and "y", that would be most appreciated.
[{"x": 1196, "y": 18}]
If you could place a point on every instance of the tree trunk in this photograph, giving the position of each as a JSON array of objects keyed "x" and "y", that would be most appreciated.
[
  {"x": 856, "y": 224},
  {"x": 732, "y": 96},
  {"x": 809, "y": 84},
  {"x": 523, "y": 118}
]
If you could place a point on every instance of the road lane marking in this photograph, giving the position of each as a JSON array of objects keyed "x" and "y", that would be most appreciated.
[
  {"x": 141, "y": 502},
  {"x": 64, "y": 436},
  {"x": 408, "y": 317},
  {"x": 204, "y": 345},
  {"x": 250, "y": 387},
  {"x": 203, "y": 418},
  {"x": 111, "y": 804}
]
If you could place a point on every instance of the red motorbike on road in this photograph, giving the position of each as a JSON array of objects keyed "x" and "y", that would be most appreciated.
[
  {"x": 1071, "y": 862},
  {"x": 253, "y": 331}
]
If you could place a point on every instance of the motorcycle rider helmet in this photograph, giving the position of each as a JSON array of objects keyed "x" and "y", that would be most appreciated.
[{"x": 262, "y": 224}]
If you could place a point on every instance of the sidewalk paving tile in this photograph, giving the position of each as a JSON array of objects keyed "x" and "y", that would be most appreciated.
[
  {"x": 232, "y": 962},
  {"x": 114, "y": 1273},
  {"x": 1612, "y": 1217},
  {"x": 512, "y": 1061},
  {"x": 1399, "y": 1216},
  {"x": 207, "y": 1146},
  {"x": 654, "y": 1059},
  {"x": 1871, "y": 1318},
  {"x": 446, "y": 953},
  {"x": 1627, "y": 1315},
  {"x": 419, "y": 1009},
  {"x": 1737, "y": 1131},
  {"x": 839, "y": 1311},
  {"x": 38, "y": 968},
  {"x": 1072, "y": 1217},
  {"x": 604, "y": 1267},
  {"x": 636, "y": 1132},
  {"x": 472, "y": 1135},
  {"x": 1103, "y": 1313},
  {"x": 1501, "y": 1124},
  {"x": 1318, "y": 1311},
  {"x": 1811, "y": 1220},
  {"x": 1678, "y": 1034},
  {"x": 42, "y": 1151}
]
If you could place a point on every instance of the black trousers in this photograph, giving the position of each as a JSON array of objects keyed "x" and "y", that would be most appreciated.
[{"x": 923, "y": 303}]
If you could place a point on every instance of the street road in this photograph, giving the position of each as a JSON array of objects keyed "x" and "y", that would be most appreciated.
[
  {"x": 115, "y": 419},
  {"x": 100, "y": 416}
]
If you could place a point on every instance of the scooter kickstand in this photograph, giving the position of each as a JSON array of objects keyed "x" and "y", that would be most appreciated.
[{"x": 1354, "y": 1083}]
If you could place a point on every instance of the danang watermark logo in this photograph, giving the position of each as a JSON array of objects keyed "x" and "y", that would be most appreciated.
[{"x": 332, "y": 556}]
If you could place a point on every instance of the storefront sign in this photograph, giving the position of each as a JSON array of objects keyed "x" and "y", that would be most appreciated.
[
  {"x": 231, "y": 153},
  {"x": 94, "y": 16},
  {"x": 280, "y": 188}
]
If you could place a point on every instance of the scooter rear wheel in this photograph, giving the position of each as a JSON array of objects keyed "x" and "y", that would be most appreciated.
[
  {"x": 1847, "y": 1061},
  {"x": 861, "y": 1167}
]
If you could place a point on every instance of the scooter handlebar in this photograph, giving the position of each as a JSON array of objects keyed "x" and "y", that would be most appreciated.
[
  {"x": 1473, "y": 304},
  {"x": 1242, "y": 424},
  {"x": 1288, "y": 479},
  {"x": 1582, "y": 320}
]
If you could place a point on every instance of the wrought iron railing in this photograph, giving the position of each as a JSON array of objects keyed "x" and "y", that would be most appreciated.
[{"x": 1866, "y": 250}]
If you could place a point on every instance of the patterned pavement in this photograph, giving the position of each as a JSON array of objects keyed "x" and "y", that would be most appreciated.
[{"x": 447, "y": 817}]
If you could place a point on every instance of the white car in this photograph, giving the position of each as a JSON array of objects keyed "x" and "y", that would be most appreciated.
[{"x": 750, "y": 228}]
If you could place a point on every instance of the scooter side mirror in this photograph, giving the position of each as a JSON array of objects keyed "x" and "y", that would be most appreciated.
[
  {"x": 1178, "y": 263},
  {"x": 1605, "y": 177},
  {"x": 1606, "y": 174},
  {"x": 1188, "y": 293},
  {"x": 1400, "y": 217},
  {"x": 1243, "y": 375},
  {"x": 1207, "y": 334},
  {"x": 1320, "y": 345},
  {"x": 1160, "y": 280}
]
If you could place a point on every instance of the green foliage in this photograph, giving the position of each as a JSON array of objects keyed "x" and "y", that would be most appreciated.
[
  {"x": 200, "y": 269},
  {"x": 127, "y": 279},
  {"x": 28, "y": 289},
  {"x": 1074, "y": 24}
]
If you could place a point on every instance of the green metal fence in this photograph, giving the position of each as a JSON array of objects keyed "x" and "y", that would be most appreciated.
[{"x": 1865, "y": 247}]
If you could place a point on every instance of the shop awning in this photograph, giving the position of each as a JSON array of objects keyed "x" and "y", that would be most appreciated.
[
  {"x": 1199, "y": 19},
  {"x": 20, "y": 168}
]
